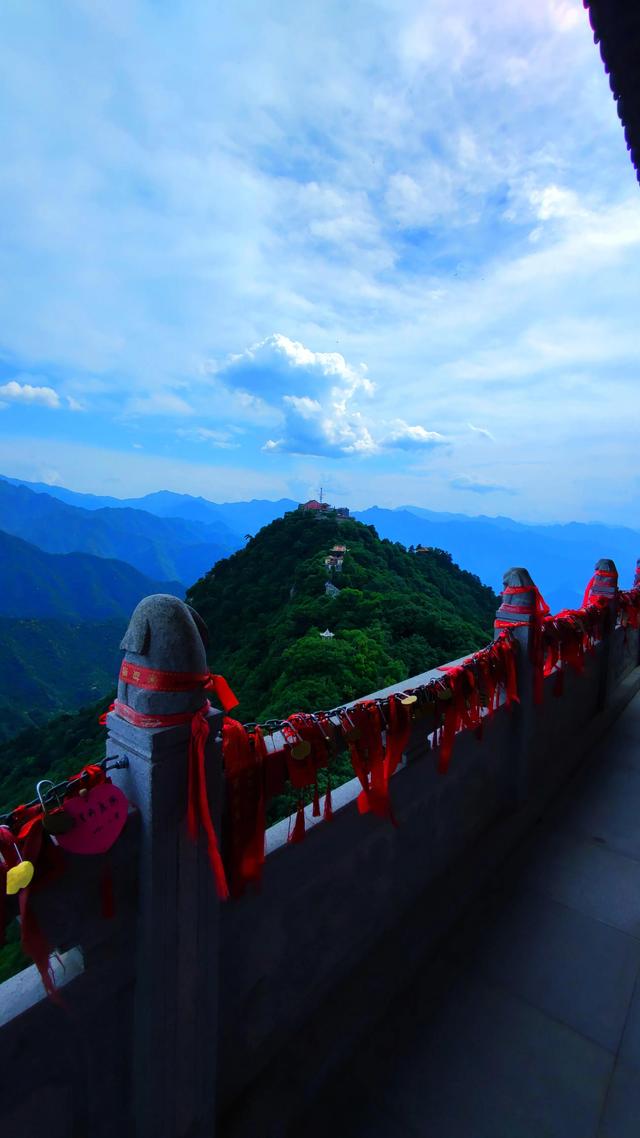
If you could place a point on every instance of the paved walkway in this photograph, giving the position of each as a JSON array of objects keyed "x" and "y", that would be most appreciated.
[{"x": 532, "y": 1027}]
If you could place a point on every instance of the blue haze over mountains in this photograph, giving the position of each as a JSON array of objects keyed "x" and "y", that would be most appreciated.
[
  {"x": 73, "y": 566},
  {"x": 178, "y": 537}
]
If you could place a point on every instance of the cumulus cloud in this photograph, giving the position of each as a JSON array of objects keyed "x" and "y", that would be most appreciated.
[
  {"x": 403, "y": 436},
  {"x": 15, "y": 392},
  {"x": 370, "y": 193},
  {"x": 477, "y": 486},
  {"x": 318, "y": 395}
]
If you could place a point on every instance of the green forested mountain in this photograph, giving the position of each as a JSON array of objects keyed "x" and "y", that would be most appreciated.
[
  {"x": 56, "y": 750},
  {"x": 50, "y": 666},
  {"x": 396, "y": 614}
]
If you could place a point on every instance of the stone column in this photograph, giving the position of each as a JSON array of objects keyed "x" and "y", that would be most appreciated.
[
  {"x": 605, "y": 585},
  {"x": 176, "y": 998},
  {"x": 519, "y": 611}
]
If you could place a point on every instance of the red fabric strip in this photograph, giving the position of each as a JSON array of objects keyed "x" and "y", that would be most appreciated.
[
  {"x": 152, "y": 679},
  {"x": 244, "y": 757}
]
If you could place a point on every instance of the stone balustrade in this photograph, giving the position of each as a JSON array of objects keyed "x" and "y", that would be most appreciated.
[{"x": 183, "y": 1012}]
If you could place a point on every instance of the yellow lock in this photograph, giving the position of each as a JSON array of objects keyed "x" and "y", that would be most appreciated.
[{"x": 19, "y": 876}]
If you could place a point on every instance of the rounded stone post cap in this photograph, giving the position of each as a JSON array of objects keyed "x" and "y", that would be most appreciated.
[
  {"x": 165, "y": 635},
  {"x": 517, "y": 578},
  {"x": 606, "y": 565}
]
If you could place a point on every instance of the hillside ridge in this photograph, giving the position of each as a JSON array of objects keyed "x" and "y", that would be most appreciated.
[{"x": 394, "y": 614}]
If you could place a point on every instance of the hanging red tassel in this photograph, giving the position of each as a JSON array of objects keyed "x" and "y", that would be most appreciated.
[
  {"x": 297, "y": 834},
  {"x": 397, "y": 736},
  {"x": 245, "y": 758},
  {"x": 222, "y": 691},
  {"x": 328, "y": 806},
  {"x": 198, "y": 812},
  {"x": 316, "y": 802},
  {"x": 34, "y": 943}
]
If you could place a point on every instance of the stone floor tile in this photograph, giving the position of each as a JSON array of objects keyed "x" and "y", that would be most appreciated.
[
  {"x": 607, "y": 809},
  {"x": 487, "y": 1065},
  {"x": 629, "y": 1052},
  {"x": 588, "y": 877},
  {"x": 571, "y": 967},
  {"x": 621, "y": 1116}
]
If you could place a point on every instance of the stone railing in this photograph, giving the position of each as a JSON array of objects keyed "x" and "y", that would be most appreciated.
[{"x": 183, "y": 1010}]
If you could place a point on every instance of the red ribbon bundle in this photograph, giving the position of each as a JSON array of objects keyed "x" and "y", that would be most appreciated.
[
  {"x": 363, "y": 725},
  {"x": 311, "y": 734},
  {"x": 198, "y": 812},
  {"x": 474, "y": 684},
  {"x": 537, "y": 613},
  {"x": 629, "y": 607},
  {"x": 33, "y": 843},
  {"x": 244, "y": 756},
  {"x": 599, "y": 577}
]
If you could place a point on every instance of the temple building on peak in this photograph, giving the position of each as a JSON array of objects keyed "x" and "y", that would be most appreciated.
[{"x": 320, "y": 509}]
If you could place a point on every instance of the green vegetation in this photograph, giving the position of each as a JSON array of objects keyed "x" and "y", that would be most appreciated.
[
  {"x": 397, "y": 614},
  {"x": 53, "y": 666},
  {"x": 56, "y": 750}
]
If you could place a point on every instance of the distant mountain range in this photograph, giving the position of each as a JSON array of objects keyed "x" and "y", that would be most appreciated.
[
  {"x": 70, "y": 586},
  {"x": 162, "y": 548},
  {"x": 233, "y": 520},
  {"x": 560, "y": 558},
  {"x": 172, "y": 536}
]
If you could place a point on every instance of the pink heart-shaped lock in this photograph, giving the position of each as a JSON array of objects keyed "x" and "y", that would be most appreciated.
[{"x": 98, "y": 817}]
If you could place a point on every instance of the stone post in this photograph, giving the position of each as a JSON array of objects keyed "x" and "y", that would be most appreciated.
[
  {"x": 637, "y": 585},
  {"x": 176, "y": 997},
  {"x": 519, "y": 611},
  {"x": 604, "y": 584}
]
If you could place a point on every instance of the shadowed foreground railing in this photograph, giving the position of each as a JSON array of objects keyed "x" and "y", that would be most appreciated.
[{"x": 179, "y": 1008}]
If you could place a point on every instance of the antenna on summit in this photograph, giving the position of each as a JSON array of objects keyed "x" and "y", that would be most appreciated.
[{"x": 321, "y": 495}]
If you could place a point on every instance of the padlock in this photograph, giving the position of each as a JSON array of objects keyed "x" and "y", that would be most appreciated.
[
  {"x": 57, "y": 821},
  {"x": 301, "y": 750}
]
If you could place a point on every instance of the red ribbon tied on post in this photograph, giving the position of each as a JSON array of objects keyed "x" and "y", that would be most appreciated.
[{"x": 198, "y": 811}]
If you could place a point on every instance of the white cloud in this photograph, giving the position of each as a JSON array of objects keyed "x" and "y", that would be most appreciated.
[
  {"x": 477, "y": 485},
  {"x": 305, "y": 407},
  {"x": 328, "y": 418},
  {"x": 26, "y": 393},
  {"x": 554, "y": 201},
  {"x": 406, "y": 437},
  {"x": 222, "y": 440},
  {"x": 158, "y": 403},
  {"x": 372, "y": 192},
  {"x": 481, "y": 431}
]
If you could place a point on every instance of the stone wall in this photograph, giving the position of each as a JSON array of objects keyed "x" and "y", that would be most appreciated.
[{"x": 180, "y": 997}]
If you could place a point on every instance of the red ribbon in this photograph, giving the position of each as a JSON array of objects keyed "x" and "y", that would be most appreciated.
[
  {"x": 244, "y": 756},
  {"x": 367, "y": 756},
  {"x": 599, "y": 575},
  {"x": 152, "y": 679},
  {"x": 48, "y": 861},
  {"x": 198, "y": 812}
]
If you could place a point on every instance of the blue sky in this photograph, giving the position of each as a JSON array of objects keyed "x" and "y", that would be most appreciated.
[{"x": 389, "y": 247}]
